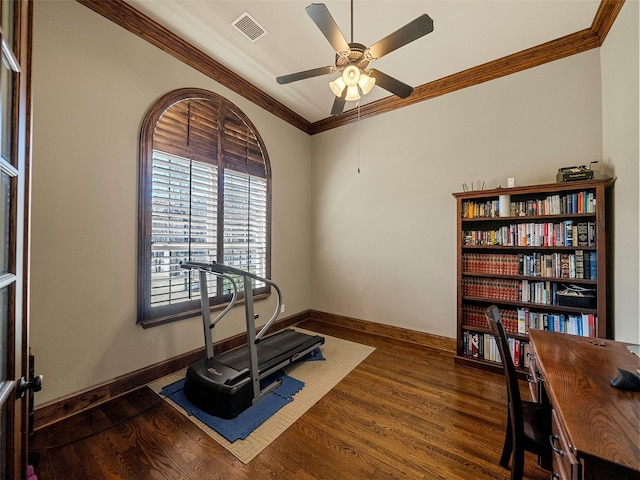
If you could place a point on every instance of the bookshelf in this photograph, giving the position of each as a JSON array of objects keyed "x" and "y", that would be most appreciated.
[{"x": 548, "y": 242}]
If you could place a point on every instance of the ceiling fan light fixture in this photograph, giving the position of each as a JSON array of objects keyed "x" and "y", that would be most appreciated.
[
  {"x": 352, "y": 93},
  {"x": 366, "y": 83},
  {"x": 337, "y": 86},
  {"x": 355, "y": 81},
  {"x": 351, "y": 75}
]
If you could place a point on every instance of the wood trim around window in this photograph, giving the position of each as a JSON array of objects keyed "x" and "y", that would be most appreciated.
[
  {"x": 119, "y": 12},
  {"x": 226, "y": 110}
]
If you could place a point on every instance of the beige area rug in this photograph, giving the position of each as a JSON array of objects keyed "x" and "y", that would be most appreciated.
[{"x": 319, "y": 378}]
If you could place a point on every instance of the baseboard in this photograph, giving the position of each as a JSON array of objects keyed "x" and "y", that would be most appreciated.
[
  {"x": 59, "y": 409},
  {"x": 387, "y": 331}
]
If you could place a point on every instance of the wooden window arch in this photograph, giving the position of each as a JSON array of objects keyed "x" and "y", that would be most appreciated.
[{"x": 204, "y": 195}]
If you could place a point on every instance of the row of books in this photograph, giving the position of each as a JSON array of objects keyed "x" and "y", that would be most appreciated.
[
  {"x": 491, "y": 288},
  {"x": 580, "y": 264},
  {"x": 562, "y": 234},
  {"x": 544, "y": 292},
  {"x": 576, "y": 202},
  {"x": 520, "y": 321},
  {"x": 582, "y": 324},
  {"x": 483, "y": 345},
  {"x": 493, "y": 263},
  {"x": 473, "y": 315}
]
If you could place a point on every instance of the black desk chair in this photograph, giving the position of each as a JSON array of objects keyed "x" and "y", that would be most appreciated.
[{"x": 528, "y": 423}]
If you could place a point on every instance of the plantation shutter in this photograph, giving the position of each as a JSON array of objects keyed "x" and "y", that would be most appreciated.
[
  {"x": 245, "y": 222},
  {"x": 184, "y": 225},
  {"x": 241, "y": 148},
  {"x": 209, "y": 201},
  {"x": 245, "y": 198}
]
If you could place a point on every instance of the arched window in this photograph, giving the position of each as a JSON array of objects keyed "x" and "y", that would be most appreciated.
[{"x": 204, "y": 195}]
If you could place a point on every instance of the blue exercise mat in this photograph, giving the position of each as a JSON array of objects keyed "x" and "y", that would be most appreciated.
[{"x": 247, "y": 421}]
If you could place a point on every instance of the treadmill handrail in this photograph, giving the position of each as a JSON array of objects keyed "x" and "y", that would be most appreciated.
[
  {"x": 276, "y": 312},
  {"x": 234, "y": 295},
  {"x": 221, "y": 269}
]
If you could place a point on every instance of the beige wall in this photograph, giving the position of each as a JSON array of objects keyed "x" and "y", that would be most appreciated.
[
  {"x": 620, "y": 146},
  {"x": 93, "y": 82},
  {"x": 384, "y": 239},
  {"x": 377, "y": 245}
]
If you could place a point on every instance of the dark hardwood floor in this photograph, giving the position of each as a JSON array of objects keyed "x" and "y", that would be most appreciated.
[{"x": 406, "y": 412}]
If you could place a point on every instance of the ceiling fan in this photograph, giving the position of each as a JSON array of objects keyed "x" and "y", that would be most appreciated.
[{"x": 352, "y": 59}]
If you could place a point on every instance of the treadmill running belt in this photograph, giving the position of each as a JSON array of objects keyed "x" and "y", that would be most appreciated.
[{"x": 271, "y": 350}]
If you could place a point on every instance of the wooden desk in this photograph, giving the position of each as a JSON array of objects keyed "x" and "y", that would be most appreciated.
[{"x": 596, "y": 425}]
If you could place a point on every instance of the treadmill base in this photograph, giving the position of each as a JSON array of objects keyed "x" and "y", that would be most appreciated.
[
  {"x": 222, "y": 386},
  {"x": 204, "y": 387}
]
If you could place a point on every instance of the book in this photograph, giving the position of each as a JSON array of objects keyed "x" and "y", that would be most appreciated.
[
  {"x": 548, "y": 266},
  {"x": 593, "y": 265},
  {"x": 487, "y": 346},
  {"x": 568, "y": 233},
  {"x": 474, "y": 347},
  {"x": 583, "y": 234},
  {"x": 591, "y": 234},
  {"x": 564, "y": 265},
  {"x": 586, "y": 260},
  {"x": 522, "y": 321},
  {"x": 579, "y": 264},
  {"x": 493, "y": 349},
  {"x": 516, "y": 353},
  {"x": 526, "y": 349}
]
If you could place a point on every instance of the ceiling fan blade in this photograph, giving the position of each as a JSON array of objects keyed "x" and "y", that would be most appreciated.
[
  {"x": 390, "y": 84},
  {"x": 314, "y": 72},
  {"x": 338, "y": 104},
  {"x": 407, "y": 34},
  {"x": 320, "y": 15}
]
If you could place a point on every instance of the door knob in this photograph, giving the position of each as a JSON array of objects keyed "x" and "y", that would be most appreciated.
[{"x": 24, "y": 385}]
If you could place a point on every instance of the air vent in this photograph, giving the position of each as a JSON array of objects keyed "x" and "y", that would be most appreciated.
[{"x": 248, "y": 26}]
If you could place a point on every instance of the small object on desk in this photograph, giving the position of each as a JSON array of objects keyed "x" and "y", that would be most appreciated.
[
  {"x": 626, "y": 381},
  {"x": 634, "y": 349}
]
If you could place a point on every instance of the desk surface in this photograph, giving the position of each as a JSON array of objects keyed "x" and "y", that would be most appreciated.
[{"x": 603, "y": 422}]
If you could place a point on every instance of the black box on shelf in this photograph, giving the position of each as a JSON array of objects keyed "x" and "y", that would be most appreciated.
[{"x": 585, "y": 299}]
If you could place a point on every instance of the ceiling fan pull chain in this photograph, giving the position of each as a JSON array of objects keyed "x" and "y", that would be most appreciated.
[{"x": 358, "y": 127}]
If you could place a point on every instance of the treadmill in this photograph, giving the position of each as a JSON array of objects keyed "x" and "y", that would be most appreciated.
[{"x": 227, "y": 384}]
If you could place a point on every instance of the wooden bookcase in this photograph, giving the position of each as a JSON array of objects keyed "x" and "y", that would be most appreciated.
[{"x": 548, "y": 239}]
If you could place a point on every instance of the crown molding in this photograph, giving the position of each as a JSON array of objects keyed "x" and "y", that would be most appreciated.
[
  {"x": 605, "y": 16},
  {"x": 122, "y": 14},
  {"x": 566, "y": 46}
]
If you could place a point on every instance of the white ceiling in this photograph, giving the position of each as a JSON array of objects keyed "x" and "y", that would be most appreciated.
[{"x": 466, "y": 33}]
